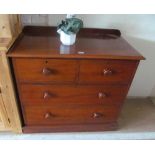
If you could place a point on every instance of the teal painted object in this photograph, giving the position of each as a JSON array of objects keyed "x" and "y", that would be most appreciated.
[{"x": 70, "y": 25}]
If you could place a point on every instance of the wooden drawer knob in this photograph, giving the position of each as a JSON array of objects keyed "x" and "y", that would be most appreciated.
[
  {"x": 47, "y": 95},
  {"x": 107, "y": 72},
  {"x": 101, "y": 95},
  {"x": 47, "y": 71},
  {"x": 97, "y": 115},
  {"x": 48, "y": 115}
]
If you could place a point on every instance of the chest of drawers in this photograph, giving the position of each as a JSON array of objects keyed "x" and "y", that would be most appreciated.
[{"x": 76, "y": 88}]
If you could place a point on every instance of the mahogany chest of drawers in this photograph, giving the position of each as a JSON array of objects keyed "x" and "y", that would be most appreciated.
[{"x": 72, "y": 88}]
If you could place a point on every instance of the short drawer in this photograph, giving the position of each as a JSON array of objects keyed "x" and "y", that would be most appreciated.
[
  {"x": 49, "y": 115},
  {"x": 45, "y": 70},
  {"x": 106, "y": 71},
  {"x": 72, "y": 94}
]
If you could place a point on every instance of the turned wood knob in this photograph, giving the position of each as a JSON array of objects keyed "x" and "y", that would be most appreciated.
[
  {"x": 101, "y": 95},
  {"x": 97, "y": 115},
  {"x": 107, "y": 72},
  {"x": 47, "y": 71},
  {"x": 47, "y": 95},
  {"x": 48, "y": 115}
]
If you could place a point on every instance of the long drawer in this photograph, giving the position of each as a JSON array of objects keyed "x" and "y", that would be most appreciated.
[
  {"x": 71, "y": 94},
  {"x": 45, "y": 70},
  {"x": 49, "y": 115},
  {"x": 106, "y": 71}
]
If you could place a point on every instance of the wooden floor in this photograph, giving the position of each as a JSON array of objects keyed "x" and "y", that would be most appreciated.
[{"x": 137, "y": 121}]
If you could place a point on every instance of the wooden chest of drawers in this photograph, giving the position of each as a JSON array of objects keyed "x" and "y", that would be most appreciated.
[{"x": 76, "y": 88}]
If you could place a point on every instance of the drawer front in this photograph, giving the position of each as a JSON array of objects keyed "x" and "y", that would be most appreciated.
[
  {"x": 48, "y": 115},
  {"x": 69, "y": 94},
  {"x": 45, "y": 70},
  {"x": 106, "y": 71}
]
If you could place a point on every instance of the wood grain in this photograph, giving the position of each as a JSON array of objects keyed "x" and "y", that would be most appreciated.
[
  {"x": 69, "y": 115},
  {"x": 32, "y": 94},
  {"x": 101, "y": 47},
  {"x": 86, "y": 32},
  {"x": 8, "y": 95},
  {"x": 34, "y": 70},
  {"x": 10, "y": 28},
  {"x": 71, "y": 128},
  {"x": 72, "y": 88},
  {"x": 3, "y": 116},
  {"x": 121, "y": 71}
]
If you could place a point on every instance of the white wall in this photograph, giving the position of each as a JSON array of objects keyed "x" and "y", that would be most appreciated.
[
  {"x": 138, "y": 30},
  {"x": 153, "y": 92}
]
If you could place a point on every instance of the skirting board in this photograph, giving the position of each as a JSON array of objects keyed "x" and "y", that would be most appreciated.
[{"x": 141, "y": 98}]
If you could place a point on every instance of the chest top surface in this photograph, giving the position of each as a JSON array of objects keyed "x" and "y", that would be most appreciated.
[{"x": 44, "y": 42}]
